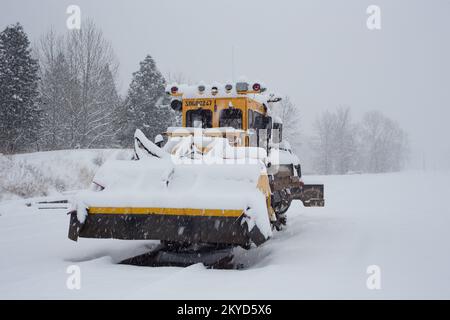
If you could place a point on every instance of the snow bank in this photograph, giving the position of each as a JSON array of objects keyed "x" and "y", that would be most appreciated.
[{"x": 44, "y": 173}]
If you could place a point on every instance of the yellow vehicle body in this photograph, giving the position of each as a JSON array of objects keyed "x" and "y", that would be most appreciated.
[
  {"x": 216, "y": 105},
  {"x": 232, "y": 225}
]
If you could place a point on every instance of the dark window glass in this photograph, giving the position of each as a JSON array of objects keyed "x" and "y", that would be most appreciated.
[
  {"x": 251, "y": 119},
  {"x": 263, "y": 125},
  {"x": 199, "y": 118},
  {"x": 231, "y": 118},
  {"x": 279, "y": 127},
  {"x": 259, "y": 121}
]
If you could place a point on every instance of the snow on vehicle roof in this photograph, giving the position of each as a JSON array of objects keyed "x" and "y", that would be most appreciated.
[
  {"x": 192, "y": 92},
  {"x": 203, "y": 130}
]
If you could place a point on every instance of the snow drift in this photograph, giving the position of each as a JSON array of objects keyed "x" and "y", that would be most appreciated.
[
  {"x": 52, "y": 172},
  {"x": 323, "y": 253}
]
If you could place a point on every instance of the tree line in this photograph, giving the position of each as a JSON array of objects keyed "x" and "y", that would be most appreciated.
[
  {"x": 374, "y": 144},
  {"x": 63, "y": 93},
  {"x": 337, "y": 144}
]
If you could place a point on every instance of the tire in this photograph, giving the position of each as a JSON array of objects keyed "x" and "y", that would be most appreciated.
[{"x": 284, "y": 204}]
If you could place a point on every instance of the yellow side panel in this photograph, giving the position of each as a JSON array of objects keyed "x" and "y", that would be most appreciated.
[
  {"x": 166, "y": 211},
  {"x": 264, "y": 186}
]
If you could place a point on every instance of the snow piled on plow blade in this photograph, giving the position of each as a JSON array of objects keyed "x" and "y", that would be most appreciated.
[{"x": 159, "y": 183}]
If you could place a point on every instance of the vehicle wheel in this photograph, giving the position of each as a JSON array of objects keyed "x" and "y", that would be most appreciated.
[{"x": 283, "y": 206}]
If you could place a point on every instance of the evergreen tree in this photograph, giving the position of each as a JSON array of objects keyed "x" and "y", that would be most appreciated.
[
  {"x": 20, "y": 117},
  {"x": 144, "y": 102},
  {"x": 54, "y": 85},
  {"x": 104, "y": 128}
]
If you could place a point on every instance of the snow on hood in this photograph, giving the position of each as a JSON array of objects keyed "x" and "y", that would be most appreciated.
[{"x": 155, "y": 182}]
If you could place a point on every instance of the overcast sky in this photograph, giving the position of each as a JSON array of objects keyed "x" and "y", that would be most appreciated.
[{"x": 318, "y": 52}]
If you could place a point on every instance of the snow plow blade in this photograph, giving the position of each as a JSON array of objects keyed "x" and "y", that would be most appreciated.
[
  {"x": 167, "y": 224},
  {"x": 156, "y": 197}
]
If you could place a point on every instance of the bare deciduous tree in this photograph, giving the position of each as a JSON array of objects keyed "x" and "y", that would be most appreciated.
[
  {"x": 177, "y": 77},
  {"x": 340, "y": 146},
  {"x": 78, "y": 72},
  {"x": 289, "y": 114},
  {"x": 384, "y": 144},
  {"x": 322, "y": 143},
  {"x": 344, "y": 151}
]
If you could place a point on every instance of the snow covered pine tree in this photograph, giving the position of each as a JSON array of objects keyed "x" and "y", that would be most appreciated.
[
  {"x": 56, "y": 93},
  {"x": 144, "y": 102},
  {"x": 20, "y": 117}
]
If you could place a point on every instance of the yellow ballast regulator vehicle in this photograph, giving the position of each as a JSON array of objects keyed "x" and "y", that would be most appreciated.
[{"x": 224, "y": 179}]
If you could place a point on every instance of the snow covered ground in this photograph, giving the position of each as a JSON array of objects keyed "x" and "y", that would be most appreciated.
[
  {"x": 399, "y": 222},
  {"x": 51, "y": 172}
]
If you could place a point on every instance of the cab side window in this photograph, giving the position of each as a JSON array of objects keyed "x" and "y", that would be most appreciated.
[
  {"x": 251, "y": 119},
  {"x": 259, "y": 122}
]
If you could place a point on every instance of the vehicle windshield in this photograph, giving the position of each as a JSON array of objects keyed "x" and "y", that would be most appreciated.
[
  {"x": 199, "y": 118},
  {"x": 231, "y": 118}
]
